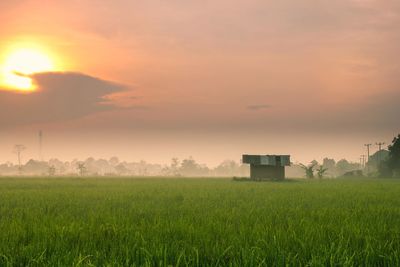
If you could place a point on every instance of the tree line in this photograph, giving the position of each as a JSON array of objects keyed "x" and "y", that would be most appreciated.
[
  {"x": 384, "y": 163},
  {"x": 114, "y": 167}
]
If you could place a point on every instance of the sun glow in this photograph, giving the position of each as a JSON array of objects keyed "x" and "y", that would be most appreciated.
[{"x": 22, "y": 62}]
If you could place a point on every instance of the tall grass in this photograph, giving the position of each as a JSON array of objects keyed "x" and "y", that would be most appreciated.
[{"x": 198, "y": 222}]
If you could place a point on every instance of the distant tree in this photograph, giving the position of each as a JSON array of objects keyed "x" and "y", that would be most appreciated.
[
  {"x": 343, "y": 166},
  {"x": 329, "y": 164},
  {"x": 103, "y": 166},
  {"x": 377, "y": 162},
  {"x": 58, "y": 165},
  {"x": 321, "y": 172},
  {"x": 309, "y": 170},
  {"x": 383, "y": 169},
  {"x": 190, "y": 167},
  {"x": 91, "y": 166},
  {"x": 90, "y": 160},
  {"x": 52, "y": 170},
  {"x": 121, "y": 169},
  {"x": 36, "y": 167},
  {"x": 391, "y": 166},
  {"x": 114, "y": 161},
  {"x": 142, "y": 170},
  {"x": 227, "y": 168},
  {"x": 6, "y": 168},
  {"x": 82, "y": 168},
  {"x": 174, "y": 168}
]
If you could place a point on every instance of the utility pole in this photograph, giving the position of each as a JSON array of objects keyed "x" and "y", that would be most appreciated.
[
  {"x": 368, "y": 147},
  {"x": 18, "y": 150},
  {"x": 379, "y": 144},
  {"x": 362, "y": 161}
]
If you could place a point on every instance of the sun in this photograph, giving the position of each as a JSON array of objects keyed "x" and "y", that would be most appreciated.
[{"x": 22, "y": 62}]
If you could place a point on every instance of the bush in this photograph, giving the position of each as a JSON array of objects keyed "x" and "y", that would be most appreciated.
[{"x": 391, "y": 166}]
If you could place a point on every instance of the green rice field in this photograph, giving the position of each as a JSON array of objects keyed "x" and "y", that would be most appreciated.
[{"x": 198, "y": 222}]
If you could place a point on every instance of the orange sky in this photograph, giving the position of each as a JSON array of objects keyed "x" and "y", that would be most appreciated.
[{"x": 209, "y": 79}]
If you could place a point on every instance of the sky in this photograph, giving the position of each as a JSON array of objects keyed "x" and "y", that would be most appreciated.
[{"x": 213, "y": 79}]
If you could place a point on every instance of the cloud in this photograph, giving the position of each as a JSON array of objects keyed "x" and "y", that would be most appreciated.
[
  {"x": 60, "y": 96},
  {"x": 258, "y": 107},
  {"x": 382, "y": 110}
]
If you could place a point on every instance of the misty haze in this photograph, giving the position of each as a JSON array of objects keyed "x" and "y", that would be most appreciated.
[{"x": 199, "y": 133}]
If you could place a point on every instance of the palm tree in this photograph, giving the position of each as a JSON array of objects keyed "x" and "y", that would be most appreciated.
[
  {"x": 82, "y": 169},
  {"x": 309, "y": 170},
  {"x": 321, "y": 171}
]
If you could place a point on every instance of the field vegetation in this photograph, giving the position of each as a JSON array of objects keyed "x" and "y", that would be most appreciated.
[{"x": 198, "y": 222}]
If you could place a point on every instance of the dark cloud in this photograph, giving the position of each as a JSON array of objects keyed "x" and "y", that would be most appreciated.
[
  {"x": 377, "y": 113},
  {"x": 60, "y": 96},
  {"x": 258, "y": 107},
  {"x": 382, "y": 110}
]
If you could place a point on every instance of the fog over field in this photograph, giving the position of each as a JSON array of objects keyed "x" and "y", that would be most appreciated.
[
  {"x": 153, "y": 80},
  {"x": 199, "y": 133}
]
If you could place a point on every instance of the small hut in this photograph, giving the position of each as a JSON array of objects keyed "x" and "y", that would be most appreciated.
[{"x": 267, "y": 167}]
